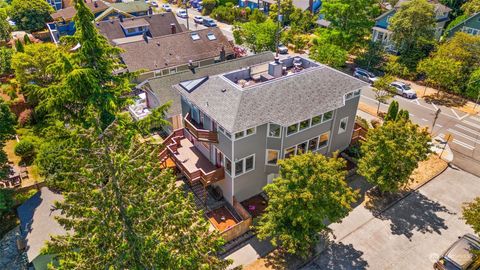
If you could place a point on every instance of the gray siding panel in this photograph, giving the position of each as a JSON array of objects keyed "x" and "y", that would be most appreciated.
[{"x": 341, "y": 141}]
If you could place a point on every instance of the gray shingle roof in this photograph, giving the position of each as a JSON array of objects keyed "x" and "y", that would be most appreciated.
[
  {"x": 284, "y": 101},
  {"x": 37, "y": 220},
  {"x": 162, "y": 89}
]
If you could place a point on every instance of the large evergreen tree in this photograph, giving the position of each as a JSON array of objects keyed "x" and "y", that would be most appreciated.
[
  {"x": 310, "y": 190},
  {"x": 391, "y": 153},
  {"x": 30, "y": 15},
  {"x": 124, "y": 212}
]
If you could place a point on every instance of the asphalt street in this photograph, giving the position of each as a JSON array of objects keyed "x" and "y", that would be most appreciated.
[{"x": 463, "y": 127}]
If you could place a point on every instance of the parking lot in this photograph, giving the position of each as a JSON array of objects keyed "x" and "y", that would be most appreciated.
[{"x": 410, "y": 235}]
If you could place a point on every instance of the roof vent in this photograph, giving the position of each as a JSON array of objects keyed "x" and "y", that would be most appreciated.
[
  {"x": 224, "y": 90},
  {"x": 158, "y": 43},
  {"x": 275, "y": 68}
]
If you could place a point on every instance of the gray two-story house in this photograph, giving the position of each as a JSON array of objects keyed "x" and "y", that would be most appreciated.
[{"x": 240, "y": 123}]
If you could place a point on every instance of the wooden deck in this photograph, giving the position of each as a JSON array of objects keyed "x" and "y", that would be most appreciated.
[{"x": 192, "y": 159}]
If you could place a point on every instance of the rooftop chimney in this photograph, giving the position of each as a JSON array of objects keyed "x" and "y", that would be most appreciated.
[
  {"x": 95, "y": 4},
  {"x": 191, "y": 66},
  {"x": 222, "y": 54},
  {"x": 275, "y": 68},
  {"x": 150, "y": 11},
  {"x": 145, "y": 37},
  {"x": 120, "y": 17},
  {"x": 173, "y": 28}
]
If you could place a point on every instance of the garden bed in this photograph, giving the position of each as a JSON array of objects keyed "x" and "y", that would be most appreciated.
[{"x": 222, "y": 219}]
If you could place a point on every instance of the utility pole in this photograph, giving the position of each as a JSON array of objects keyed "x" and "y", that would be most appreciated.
[
  {"x": 437, "y": 113},
  {"x": 186, "y": 11}
]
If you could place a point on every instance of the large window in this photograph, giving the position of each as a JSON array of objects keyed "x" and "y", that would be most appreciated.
[
  {"x": 272, "y": 157},
  {"x": 323, "y": 140},
  {"x": 292, "y": 129},
  {"x": 289, "y": 152},
  {"x": 327, "y": 116},
  {"x": 244, "y": 165},
  {"x": 312, "y": 144},
  {"x": 245, "y": 133},
  {"x": 274, "y": 130},
  {"x": 305, "y": 124},
  {"x": 342, "y": 127},
  {"x": 316, "y": 120},
  {"x": 302, "y": 148}
]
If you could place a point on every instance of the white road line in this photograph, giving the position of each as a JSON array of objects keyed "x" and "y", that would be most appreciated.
[
  {"x": 435, "y": 106},
  {"x": 463, "y": 117},
  {"x": 454, "y": 112},
  {"x": 460, "y": 134},
  {"x": 415, "y": 101},
  {"x": 438, "y": 125},
  {"x": 468, "y": 146},
  {"x": 467, "y": 129},
  {"x": 475, "y": 118},
  {"x": 424, "y": 119},
  {"x": 411, "y": 114},
  {"x": 471, "y": 124}
]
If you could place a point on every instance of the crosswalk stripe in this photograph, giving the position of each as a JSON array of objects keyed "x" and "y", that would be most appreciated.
[
  {"x": 458, "y": 133},
  {"x": 468, "y": 146},
  {"x": 467, "y": 129},
  {"x": 475, "y": 118},
  {"x": 471, "y": 124}
]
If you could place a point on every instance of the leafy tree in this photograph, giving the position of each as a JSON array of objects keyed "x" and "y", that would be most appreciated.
[
  {"x": 5, "y": 60},
  {"x": 26, "y": 40},
  {"x": 372, "y": 57},
  {"x": 352, "y": 18},
  {"x": 383, "y": 90},
  {"x": 443, "y": 73},
  {"x": 302, "y": 21},
  {"x": 108, "y": 206},
  {"x": 258, "y": 37},
  {"x": 7, "y": 129},
  {"x": 258, "y": 16},
  {"x": 473, "y": 89},
  {"x": 286, "y": 9},
  {"x": 413, "y": 27},
  {"x": 208, "y": 6},
  {"x": 30, "y": 15},
  {"x": 33, "y": 65},
  {"x": 391, "y": 153},
  {"x": 6, "y": 201},
  {"x": 471, "y": 214},
  {"x": 471, "y": 7},
  {"x": 464, "y": 48},
  {"x": 328, "y": 53},
  {"x": 394, "y": 67},
  {"x": 5, "y": 28},
  {"x": 25, "y": 148},
  {"x": 454, "y": 5},
  {"x": 392, "y": 111},
  {"x": 310, "y": 190},
  {"x": 19, "y": 46}
]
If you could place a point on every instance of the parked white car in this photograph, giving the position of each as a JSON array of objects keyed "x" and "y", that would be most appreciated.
[
  {"x": 404, "y": 89},
  {"x": 167, "y": 7},
  {"x": 364, "y": 75},
  {"x": 182, "y": 13}
]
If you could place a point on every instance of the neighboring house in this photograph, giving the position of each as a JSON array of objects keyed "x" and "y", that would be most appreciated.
[
  {"x": 128, "y": 10},
  {"x": 471, "y": 25},
  {"x": 56, "y": 4},
  {"x": 159, "y": 89},
  {"x": 240, "y": 123},
  {"x": 64, "y": 25},
  {"x": 264, "y": 5},
  {"x": 173, "y": 53},
  {"x": 381, "y": 32},
  {"x": 37, "y": 224}
]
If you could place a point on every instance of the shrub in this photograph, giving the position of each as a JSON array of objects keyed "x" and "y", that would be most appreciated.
[
  {"x": 6, "y": 201},
  {"x": 25, "y": 148},
  {"x": 394, "y": 67},
  {"x": 208, "y": 6},
  {"x": 25, "y": 118}
]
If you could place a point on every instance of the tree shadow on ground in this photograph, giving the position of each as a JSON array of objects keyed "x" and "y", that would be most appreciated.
[
  {"x": 445, "y": 99},
  {"x": 339, "y": 256},
  {"x": 415, "y": 213}
]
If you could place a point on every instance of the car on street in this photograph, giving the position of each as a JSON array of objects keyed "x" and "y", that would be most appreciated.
[
  {"x": 154, "y": 4},
  {"x": 167, "y": 7},
  {"x": 462, "y": 255},
  {"x": 403, "y": 89},
  {"x": 209, "y": 22},
  {"x": 198, "y": 19},
  {"x": 282, "y": 49},
  {"x": 182, "y": 13},
  {"x": 364, "y": 75}
]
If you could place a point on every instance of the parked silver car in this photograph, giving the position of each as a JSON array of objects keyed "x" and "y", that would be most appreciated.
[
  {"x": 462, "y": 255},
  {"x": 403, "y": 89},
  {"x": 364, "y": 75}
]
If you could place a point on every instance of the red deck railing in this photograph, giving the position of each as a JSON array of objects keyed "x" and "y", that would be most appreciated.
[{"x": 204, "y": 135}]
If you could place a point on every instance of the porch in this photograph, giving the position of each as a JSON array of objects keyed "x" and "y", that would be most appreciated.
[{"x": 198, "y": 131}]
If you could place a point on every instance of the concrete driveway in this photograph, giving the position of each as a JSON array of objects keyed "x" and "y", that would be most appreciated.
[{"x": 410, "y": 235}]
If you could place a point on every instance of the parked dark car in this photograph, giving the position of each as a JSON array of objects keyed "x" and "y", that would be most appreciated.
[
  {"x": 282, "y": 49},
  {"x": 462, "y": 255},
  {"x": 209, "y": 22}
]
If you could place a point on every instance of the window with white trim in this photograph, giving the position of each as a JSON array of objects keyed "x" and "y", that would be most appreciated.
[
  {"x": 274, "y": 130},
  {"x": 272, "y": 157},
  {"x": 342, "y": 127},
  {"x": 327, "y": 116},
  {"x": 245, "y": 165},
  {"x": 323, "y": 140},
  {"x": 289, "y": 152},
  {"x": 316, "y": 120},
  {"x": 245, "y": 133},
  {"x": 228, "y": 166},
  {"x": 292, "y": 129}
]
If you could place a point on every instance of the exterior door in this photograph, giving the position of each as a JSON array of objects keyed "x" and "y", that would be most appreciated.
[{"x": 218, "y": 158}]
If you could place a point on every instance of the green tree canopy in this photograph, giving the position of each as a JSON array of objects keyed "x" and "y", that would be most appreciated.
[
  {"x": 471, "y": 7},
  {"x": 124, "y": 212},
  {"x": 7, "y": 129},
  {"x": 328, "y": 53},
  {"x": 413, "y": 27},
  {"x": 471, "y": 214},
  {"x": 5, "y": 61},
  {"x": 310, "y": 190},
  {"x": 473, "y": 87},
  {"x": 5, "y": 28},
  {"x": 383, "y": 90},
  {"x": 372, "y": 57},
  {"x": 352, "y": 18},
  {"x": 258, "y": 37},
  {"x": 30, "y": 15},
  {"x": 391, "y": 153}
]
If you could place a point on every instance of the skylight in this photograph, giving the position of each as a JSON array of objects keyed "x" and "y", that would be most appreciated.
[
  {"x": 211, "y": 36},
  {"x": 189, "y": 86},
  {"x": 195, "y": 36}
]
